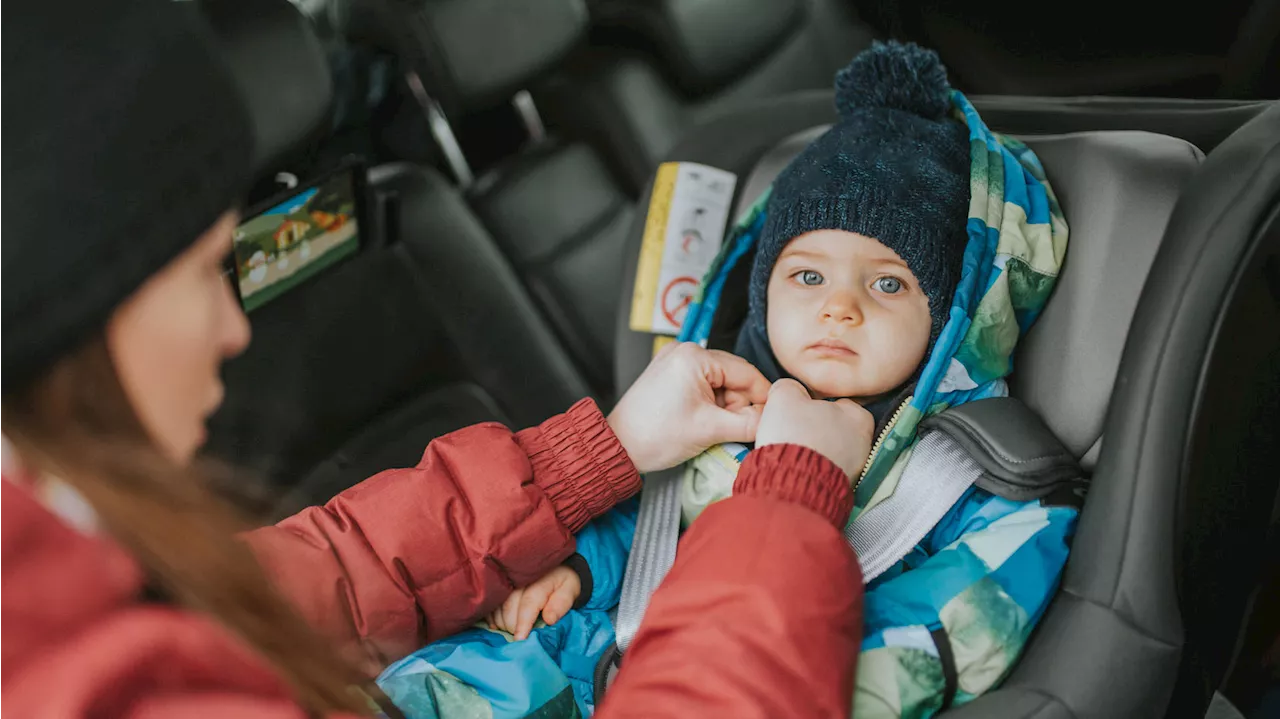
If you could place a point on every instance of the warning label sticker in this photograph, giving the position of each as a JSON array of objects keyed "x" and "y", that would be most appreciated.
[
  {"x": 677, "y": 295},
  {"x": 683, "y": 231}
]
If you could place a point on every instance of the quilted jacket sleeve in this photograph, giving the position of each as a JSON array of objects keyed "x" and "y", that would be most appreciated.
[
  {"x": 412, "y": 555},
  {"x": 952, "y": 619},
  {"x": 761, "y": 614}
]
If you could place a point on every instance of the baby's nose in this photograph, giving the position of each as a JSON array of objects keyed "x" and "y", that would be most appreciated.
[{"x": 842, "y": 309}]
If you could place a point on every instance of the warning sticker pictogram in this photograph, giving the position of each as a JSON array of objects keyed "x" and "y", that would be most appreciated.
[
  {"x": 683, "y": 231},
  {"x": 676, "y": 298}
]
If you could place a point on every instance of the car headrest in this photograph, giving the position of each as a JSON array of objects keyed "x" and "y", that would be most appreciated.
[
  {"x": 281, "y": 69},
  {"x": 472, "y": 54},
  {"x": 1117, "y": 189},
  {"x": 704, "y": 43}
]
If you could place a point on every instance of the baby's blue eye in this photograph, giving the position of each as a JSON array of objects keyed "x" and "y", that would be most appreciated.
[
  {"x": 809, "y": 277},
  {"x": 888, "y": 285}
]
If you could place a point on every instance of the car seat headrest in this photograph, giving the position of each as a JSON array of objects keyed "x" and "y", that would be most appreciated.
[
  {"x": 1123, "y": 186},
  {"x": 472, "y": 54},
  {"x": 1117, "y": 190},
  {"x": 704, "y": 43},
  {"x": 281, "y": 69}
]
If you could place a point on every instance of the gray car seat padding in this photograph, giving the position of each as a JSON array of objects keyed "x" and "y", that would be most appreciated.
[
  {"x": 1020, "y": 457},
  {"x": 1128, "y": 181}
]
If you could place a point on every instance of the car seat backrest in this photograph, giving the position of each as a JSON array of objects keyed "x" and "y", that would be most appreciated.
[
  {"x": 281, "y": 71},
  {"x": 425, "y": 330},
  {"x": 560, "y": 216},
  {"x": 654, "y": 69},
  {"x": 1117, "y": 190},
  {"x": 472, "y": 54},
  {"x": 704, "y": 43},
  {"x": 555, "y": 209},
  {"x": 1123, "y": 186}
]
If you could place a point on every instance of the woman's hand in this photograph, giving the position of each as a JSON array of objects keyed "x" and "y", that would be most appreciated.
[
  {"x": 840, "y": 430},
  {"x": 687, "y": 400}
]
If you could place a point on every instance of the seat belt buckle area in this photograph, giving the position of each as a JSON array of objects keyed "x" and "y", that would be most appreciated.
[{"x": 1021, "y": 458}]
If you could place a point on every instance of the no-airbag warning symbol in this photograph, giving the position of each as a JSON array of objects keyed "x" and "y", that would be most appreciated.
[{"x": 676, "y": 298}]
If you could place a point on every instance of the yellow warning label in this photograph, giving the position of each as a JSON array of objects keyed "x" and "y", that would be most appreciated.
[{"x": 645, "y": 294}]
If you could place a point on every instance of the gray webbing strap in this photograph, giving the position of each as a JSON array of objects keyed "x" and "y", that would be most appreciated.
[
  {"x": 939, "y": 472},
  {"x": 653, "y": 550}
]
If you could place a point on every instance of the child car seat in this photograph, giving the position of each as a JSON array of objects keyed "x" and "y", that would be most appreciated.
[{"x": 1126, "y": 349}]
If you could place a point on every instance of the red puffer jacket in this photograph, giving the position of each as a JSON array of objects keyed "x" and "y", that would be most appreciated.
[{"x": 760, "y": 616}]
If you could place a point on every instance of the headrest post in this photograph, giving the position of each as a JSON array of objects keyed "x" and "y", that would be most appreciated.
[
  {"x": 528, "y": 111},
  {"x": 441, "y": 131}
]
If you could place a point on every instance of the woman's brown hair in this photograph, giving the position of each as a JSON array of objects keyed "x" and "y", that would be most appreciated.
[{"x": 76, "y": 424}]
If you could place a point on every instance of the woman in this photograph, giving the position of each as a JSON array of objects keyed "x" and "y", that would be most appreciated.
[{"x": 126, "y": 590}]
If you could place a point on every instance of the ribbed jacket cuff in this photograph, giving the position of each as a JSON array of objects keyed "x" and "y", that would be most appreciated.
[
  {"x": 580, "y": 464},
  {"x": 799, "y": 475}
]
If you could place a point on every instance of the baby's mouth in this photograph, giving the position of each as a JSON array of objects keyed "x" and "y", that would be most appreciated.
[{"x": 831, "y": 348}]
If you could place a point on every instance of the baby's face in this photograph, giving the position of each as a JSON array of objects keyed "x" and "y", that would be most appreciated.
[{"x": 845, "y": 316}]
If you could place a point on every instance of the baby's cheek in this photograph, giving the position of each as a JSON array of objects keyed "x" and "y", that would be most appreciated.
[
  {"x": 906, "y": 360},
  {"x": 786, "y": 342}
]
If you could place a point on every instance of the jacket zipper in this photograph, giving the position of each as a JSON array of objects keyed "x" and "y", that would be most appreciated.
[{"x": 875, "y": 448}]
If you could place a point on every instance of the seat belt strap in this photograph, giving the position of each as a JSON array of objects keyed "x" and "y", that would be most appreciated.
[
  {"x": 938, "y": 473},
  {"x": 653, "y": 550}
]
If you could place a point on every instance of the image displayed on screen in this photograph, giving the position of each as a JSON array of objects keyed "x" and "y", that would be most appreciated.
[{"x": 287, "y": 244}]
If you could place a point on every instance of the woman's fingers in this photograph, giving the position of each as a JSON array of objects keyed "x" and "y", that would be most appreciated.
[
  {"x": 737, "y": 376},
  {"x": 718, "y": 425}
]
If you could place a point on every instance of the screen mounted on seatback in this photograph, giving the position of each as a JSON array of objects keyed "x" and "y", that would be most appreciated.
[{"x": 293, "y": 237}]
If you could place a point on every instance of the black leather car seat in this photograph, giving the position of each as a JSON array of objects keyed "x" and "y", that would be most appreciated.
[
  {"x": 557, "y": 212},
  {"x": 1116, "y": 367},
  {"x": 426, "y": 330},
  {"x": 652, "y": 69}
]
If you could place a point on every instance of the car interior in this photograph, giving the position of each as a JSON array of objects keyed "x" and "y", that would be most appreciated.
[{"x": 509, "y": 152}]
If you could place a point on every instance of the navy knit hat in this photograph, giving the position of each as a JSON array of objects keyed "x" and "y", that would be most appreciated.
[{"x": 894, "y": 167}]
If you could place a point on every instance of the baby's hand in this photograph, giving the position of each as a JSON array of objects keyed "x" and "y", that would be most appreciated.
[{"x": 553, "y": 595}]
